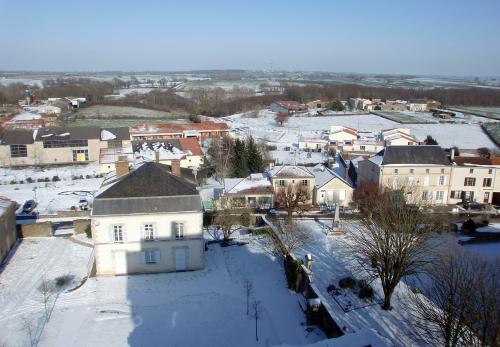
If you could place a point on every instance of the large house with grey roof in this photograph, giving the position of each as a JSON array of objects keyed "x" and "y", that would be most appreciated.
[
  {"x": 147, "y": 220},
  {"x": 426, "y": 169},
  {"x": 299, "y": 177}
]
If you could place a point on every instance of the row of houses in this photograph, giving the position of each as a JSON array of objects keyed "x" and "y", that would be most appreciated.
[
  {"x": 437, "y": 178},
  {"x": 54, "y": 145},
  {"x": 376, "y": 104}
]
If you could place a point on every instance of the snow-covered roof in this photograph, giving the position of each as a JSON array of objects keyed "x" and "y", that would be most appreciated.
[
  {"x": 107, "y": 135},
  {"x": 254, "y": 183},
  {"x": 324, "y": 174},
  {"x": 287, "y": 171},
  {"x": 26, "y": 116}
]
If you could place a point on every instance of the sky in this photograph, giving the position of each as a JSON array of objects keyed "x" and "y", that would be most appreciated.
[{"x": 440, "y": 37}]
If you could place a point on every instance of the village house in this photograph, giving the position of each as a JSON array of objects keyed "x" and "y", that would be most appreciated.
[
  {"x": 473, "y": 179},
  {"x": 148, "y": 220},
  {"x": 396, "y": 106},
  {"x": 312, "y": 144},
  {"x": 417, "y": 105},
  {"x": 288, "y": 107},
  {"x": 17, "y": 148},
  {"x": 115, "y": 143},
  {"x": 397, "y": 137},
  {"x": 8, "y": 231},
  {"x": 186, "y": 150},
  {"x": 299, "y": 177},
  {"x": 253, "y": 191},
  {"x": 425, "y": 170},
  {"x": 332, "y": 184},
  {"x": 201, "y": 131},
  {"x": 315, "y": 104},
  {"x": 340, "y": 136}
]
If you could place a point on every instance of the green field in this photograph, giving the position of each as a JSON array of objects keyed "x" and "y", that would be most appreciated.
[
  {"x": 405, "y": 118},
  {"x": 125, "y": 122},
  {"x": 489, "y": 112},
  {"x": 493, "y": 129}
]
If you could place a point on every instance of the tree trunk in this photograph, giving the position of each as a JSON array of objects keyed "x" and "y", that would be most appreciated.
[{"x": 387, "y": 300}]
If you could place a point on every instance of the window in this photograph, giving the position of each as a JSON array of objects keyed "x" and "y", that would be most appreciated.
[
  {"x": 281, "y": 183},
  {"x": 18, "y": 151},
  {"x": 442, "y": 170},
  {"x": 439, "y": 195},
  {"x": 487, "y": 182},
  {"x": 412, "y": 171},
  {"x": 114, "y": 143},
  {"x": 80, "y": 154},
  {"x": 117, "y": 233},
  {"x": 427, "y": 170},
  {"x": 441, "y": 181},
  {"x": 395, "y": 170},
  {"x": 471, "y": 171},
  {"x": 305, "y": 182},
  {"x": 425, "y": 195},
  {"x": 456, "y": 194},
  {"x": 65, "y": 143},
  {"x": 179, "y": 231},
  {"x": 362, "y": 148},
  {"x": 490, "y": 171},
  {"x": 486, "y": 197},
  {"x": 149, "y": 232},
  {"x": 150, "y": 256},
  {"x": 469, "y": 181}
]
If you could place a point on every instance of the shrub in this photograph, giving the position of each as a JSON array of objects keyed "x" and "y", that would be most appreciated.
[
  {"x": 469, "y": 225},
  {"x": 88, "y": 176},
  {"x": 13, "y": 182},
  {"x": 63, "y": 281},
  {"x": 272, "y": 148},
  {"x": 245, "y": 219},
  {"x": 347, "y": 282},
  {"x": 485, "y": 223},
  {"x": 194, "y": 118},
  {"x": 73, "y": 208},
  {"x": 46, "y": 179},
  {"x": 365, "y": 292},
  {"x": 55, "y": 179},
  {"x": 40, "y": 180},
  {"x": 29, "y": 180},
  {"x": 74, "y": 178},
  {"x": 81, "y": 177}
]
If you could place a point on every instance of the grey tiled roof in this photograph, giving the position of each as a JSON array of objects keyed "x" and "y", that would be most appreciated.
[
  {"x": 17, "y": 137},
  {"x": 414, "y": 155},
  {"x": 148, "y": 205}
]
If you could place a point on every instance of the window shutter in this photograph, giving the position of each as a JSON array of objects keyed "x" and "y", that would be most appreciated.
[
  {"x": 143, "y": 232},
  {"x": 111, "y": 235},
  {"x": 157, "y": 256},
  {"x": 155, "y": 232},
  {"x": 124, "y": 233},
  {"x": 143, "y": 257}
]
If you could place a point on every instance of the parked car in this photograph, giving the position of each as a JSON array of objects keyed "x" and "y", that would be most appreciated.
[
  {"x": 29, "y": 206},
  {"x": 83, "y": 203}
]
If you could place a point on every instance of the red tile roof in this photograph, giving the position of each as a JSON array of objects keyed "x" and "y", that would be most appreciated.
[{"x": 191, "y": 144}]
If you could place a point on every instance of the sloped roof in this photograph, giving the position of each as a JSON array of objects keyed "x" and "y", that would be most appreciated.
[
  {"x": 253, "y": 184},
  {"x": 191, "y": 144},
  {"x": 149, "y": 180},
  {"x": 73, "y": 133},
  {"x": 120, "y": 133},
  {"x": 472, "y": 161},
  {"x": 16, "y": 137},
  {"x": 414, "y": 155},
  {"x": 290, "y": 171}
]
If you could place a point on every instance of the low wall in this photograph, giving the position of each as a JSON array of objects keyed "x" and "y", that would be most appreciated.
[
  {"x": 81, "y": 225},
  {"x": 43, "y": 229}
]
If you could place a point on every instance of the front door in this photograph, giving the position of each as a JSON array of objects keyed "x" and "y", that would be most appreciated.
[
  {"x": 120, "y": 263},
  {"x": 180, "y": 259}
]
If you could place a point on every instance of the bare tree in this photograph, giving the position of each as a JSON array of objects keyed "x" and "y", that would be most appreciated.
[
  {"x": 256, "y": 314},
  {"x": 392, "y": 238},
  {"x": 248, "y": 287},
  {"x": 281, "y": 118},
  {"x": 288, "y": 236},
  {"x": 461, "y": 305},
  {"x": 225, "y": 219},
  {"x": 221, "y": 152},
  {"x": 291, "y": 197},
  {"x": 46, "y": 292},
  {"x": 28, "y": 329}
]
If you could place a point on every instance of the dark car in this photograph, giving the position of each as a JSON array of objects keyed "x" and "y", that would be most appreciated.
[{"x": 29, "y": 206}]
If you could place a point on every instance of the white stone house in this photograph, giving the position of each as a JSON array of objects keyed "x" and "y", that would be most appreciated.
[
  {"x": 148, "y": 221},
  {"x": 332, "y": 184}
]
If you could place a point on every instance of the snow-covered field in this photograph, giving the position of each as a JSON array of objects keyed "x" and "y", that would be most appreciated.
[
  {"x": 264, "y": 127},
  {"x": 105, "y": 111},
  {"x": 200, "y": 308},
  {"x": 32, "y": 261},
  {"x": 51, "y": 196}
]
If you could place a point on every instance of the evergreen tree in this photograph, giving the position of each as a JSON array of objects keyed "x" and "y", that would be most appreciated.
[
  {"x": 430, "y": 140},
  {"x": 240, "y": 166},
  {"x": 254, "y": 157},
  {"x": 337, "y": 106}
]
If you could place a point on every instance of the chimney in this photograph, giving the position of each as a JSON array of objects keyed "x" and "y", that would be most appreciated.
[
  {"x": 176, "y": 167},
  {"x": 157, "y": 156},
  {"x": 452, "y": 154},
  {"x": 121, "y": 166}
]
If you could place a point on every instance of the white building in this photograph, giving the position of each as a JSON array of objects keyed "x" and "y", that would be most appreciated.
[{"x": 147, "y": 221}]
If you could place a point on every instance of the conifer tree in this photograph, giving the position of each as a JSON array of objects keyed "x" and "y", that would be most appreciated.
[
  {"x": 240, "y": 166},
  {"x": 254, "y": 157}
]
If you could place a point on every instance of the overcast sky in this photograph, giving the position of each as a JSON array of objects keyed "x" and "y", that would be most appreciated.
[{"x": 455, "y": 37}]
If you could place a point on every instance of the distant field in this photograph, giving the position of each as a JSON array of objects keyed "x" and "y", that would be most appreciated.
[
  {"x": 109, "y": 112},
  {"x": 405, "y": 118},
  {"x": 226, "y": 85},
  {"x": 493, "y": 129},
  {"x": 125, "y": 122}
]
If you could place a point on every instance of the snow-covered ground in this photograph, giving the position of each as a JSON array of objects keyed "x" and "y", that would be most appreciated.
[
  {"x": 200, "y": 308},
  {"x": 32, "y": 261},
  {"x": 265, "y": 128},
  {"x": 51, "y": 196}
]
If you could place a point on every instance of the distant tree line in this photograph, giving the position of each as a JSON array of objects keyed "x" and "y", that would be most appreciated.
[{"x": 447, "y": 96}]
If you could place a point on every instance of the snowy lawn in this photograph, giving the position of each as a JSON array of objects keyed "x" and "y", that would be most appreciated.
[
  {"x": 51, "y": 196},
  {"x": 29, "y": 263},
  {"x": 200, "y": 308},
  {"x": 333, "y": 261},
  {"x": 265, "y": 128}
]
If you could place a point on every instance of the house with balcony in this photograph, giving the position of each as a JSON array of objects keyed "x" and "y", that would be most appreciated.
[{"x": 147, "y": 220}]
